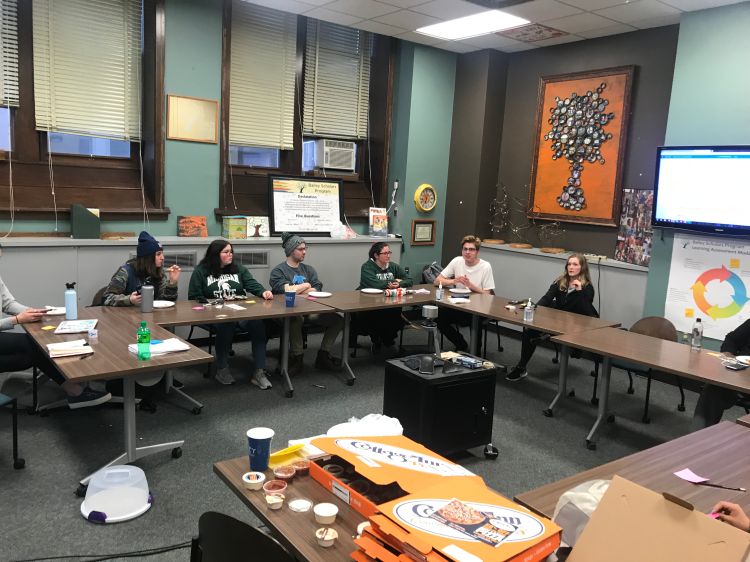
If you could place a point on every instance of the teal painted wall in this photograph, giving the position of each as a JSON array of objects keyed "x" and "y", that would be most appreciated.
[
  {"x": 709, "y": 105},
  {"x": 420, "y": 146}
]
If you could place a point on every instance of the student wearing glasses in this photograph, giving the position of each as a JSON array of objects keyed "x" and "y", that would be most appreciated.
[
  {"x": 466, "y": 271},
  {"x": 379, "y": 272}
]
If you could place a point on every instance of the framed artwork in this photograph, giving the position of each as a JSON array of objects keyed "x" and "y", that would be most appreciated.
[
  {"x": 423, "y": 232},
  {"x": 192, "y": 119},
  {"x": 582, "y": 124}
]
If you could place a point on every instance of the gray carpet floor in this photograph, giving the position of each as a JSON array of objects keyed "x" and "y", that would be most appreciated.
[{"x": 40, "y": 514}]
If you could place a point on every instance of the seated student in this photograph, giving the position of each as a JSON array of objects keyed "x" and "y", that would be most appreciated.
[
  {"x": 301, "y": 278},
  {"x": 124, "y": 288},
  {"x": 218, "y": 277},
  {"x": 18, "y": 352},
  {"x": 466, "y": 271},
  {"x": 713, "y": 400},
  {"x": 379, "y": 272},
  {"x": 572, "y": 292}
]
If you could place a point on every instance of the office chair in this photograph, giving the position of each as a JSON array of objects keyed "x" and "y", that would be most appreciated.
[
  {"x": 222, "y": 538},
  {"x": 5, "y": 400}
]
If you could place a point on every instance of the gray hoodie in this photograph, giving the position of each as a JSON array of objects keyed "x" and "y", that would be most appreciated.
[{"x": 10, "y": 306}]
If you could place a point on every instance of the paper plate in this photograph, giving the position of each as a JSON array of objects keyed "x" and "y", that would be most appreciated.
[
  {"x": 163, "y": 304},
  {"x": 319, "y": 294},
  {"x": 372, "y": 291},
  {"x": 459, "y": 300},
  {"x": 55, "y": 311},
  {"x": 744, "y": 359},
  {"x": 459, "y": 291}
]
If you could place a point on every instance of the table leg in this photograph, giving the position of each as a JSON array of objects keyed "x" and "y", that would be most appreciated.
[
  {"x": 603, "y": 402},
  {"x": 475, "y": 335},
  {"x": 284, "y": 352},
  {"x": 562, "y": 380},
  {"x": 348, "y": 373},
  {"x": 170, "y": 387}
]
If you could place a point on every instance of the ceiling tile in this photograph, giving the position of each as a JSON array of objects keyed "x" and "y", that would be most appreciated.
[
  {"x": 542, "y": 10},
  {"x": 405, "y": 3},
  {"x": 691, "y": 5},
  {"x": 377, "y": 27},
  {"x": 492, "y": 41},
  {"x": 580, "y": 22},
  {"x": 557, "y": 40},
  {"x": 364, "y": 9},
  {"x": 657, "y": 22},
  {"x": 604, "y": 31},
  {"x": 594, "y": 4},
  {"x": 638, "y": 11},
  {"x": 419, "y": 38},
  {"x": 313, "y": 2},
  {"x": 449, "y": 9},
  {"x": 518, "y": 48},
  {"x": 334, "y": 17},
  {"x": 407, "y": 19},
  {"x": 291, "y": 6},
  {"x": 456, "y": 47}
]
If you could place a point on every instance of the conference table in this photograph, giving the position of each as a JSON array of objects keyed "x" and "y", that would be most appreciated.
[
  {"x": 720, "y": 452},
  {"x": 296, "y": 531},
  {"x": 663, "y": 355},
  {"x": 112, "y": 360}
]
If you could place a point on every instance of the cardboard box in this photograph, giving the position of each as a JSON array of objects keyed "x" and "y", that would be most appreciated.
[
  {"x": 634, "y": 523},
  {"x": 234, "y": 228},
  {"x": 378, "y": 469}
]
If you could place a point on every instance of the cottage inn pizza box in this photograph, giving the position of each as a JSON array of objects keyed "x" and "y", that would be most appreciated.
[
  {"x": 367, "y": 471},
  {"x": 464, "y": 521}
]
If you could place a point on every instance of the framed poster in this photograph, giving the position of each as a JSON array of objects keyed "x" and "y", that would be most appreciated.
[
  {"x": 582, "y": 123},
  {"x": 192, "y": 119},
  {"x": 423, "y": 232},
  {"x": 306, "y": 206}
]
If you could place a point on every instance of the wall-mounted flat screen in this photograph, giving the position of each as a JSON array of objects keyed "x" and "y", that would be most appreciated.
[
  {"x": 305, "y": 205},
  {"x": 703, "y": 188}
]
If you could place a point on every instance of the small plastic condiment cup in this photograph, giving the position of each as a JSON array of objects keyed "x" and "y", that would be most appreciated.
[
  {"x": 274, "y": 487},
  {"x": 325, "y": 513},
  {"x": 285, "y": 473},
  {"x": 253, "y": 480},
  {"x": 302, "y": 467},
  {"x": 275, "y": 501},
  {"x": 326, "y": 536}
]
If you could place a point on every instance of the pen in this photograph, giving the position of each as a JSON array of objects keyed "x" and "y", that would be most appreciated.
[{"x": 722, "y": 487}]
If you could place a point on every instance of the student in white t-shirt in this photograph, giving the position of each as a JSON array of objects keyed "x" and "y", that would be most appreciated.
[{"x": 466, "y": 271}]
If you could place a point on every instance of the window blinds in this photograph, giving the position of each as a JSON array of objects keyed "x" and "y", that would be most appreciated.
[
  {"x": 9, "y": 46},
  {"x": 262, "y": 76},
  {"x": 87, "y": 60},
  {"x": 337, "y": 80}
]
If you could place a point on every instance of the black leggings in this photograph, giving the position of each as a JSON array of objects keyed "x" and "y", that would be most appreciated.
[{"x": 18, "y": 353}]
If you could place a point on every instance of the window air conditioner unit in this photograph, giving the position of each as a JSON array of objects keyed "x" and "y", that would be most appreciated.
[{"x": 330, "y": 153}]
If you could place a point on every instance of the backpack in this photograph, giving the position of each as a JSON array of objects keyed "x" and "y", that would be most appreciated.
[{"x": 431, "y": 272}]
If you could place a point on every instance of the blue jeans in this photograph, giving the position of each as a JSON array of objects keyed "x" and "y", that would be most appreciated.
[{"x": 225, "y": 334}]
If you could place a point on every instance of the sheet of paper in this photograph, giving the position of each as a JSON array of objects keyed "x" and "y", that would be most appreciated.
[
  {"x": 236, "y": 307},
  {"x": 690, "y": 476}
]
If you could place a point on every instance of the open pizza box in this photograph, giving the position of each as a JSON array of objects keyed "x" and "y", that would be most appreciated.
[
  {"x": 634, "y": 523},
  {"x": 461, "y": 521},
  {"x": 367, "y": 471}
]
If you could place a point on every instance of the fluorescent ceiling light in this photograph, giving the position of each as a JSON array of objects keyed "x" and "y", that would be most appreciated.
[{"x": 473, "y": 26}]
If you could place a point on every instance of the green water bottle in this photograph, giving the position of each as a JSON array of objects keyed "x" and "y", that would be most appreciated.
[{"x": 144, "y": 342}]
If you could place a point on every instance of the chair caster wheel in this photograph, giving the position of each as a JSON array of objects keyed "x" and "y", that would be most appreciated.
[
  {"x": 81, "y": 490},
  {"x": 350, "y": 382},
  {"x": 572, "y": 393},
  {"x": 490, "y": 451},
  {"x": 18, "y": 464},
  {"x": 231, "y": 353},
  {"x": 500, "y": 349},
  {"x": 196, "y": 411},
  {"x": 611, "y": 418},
  {"x": 631, "y": 390},
  {"x": 594, "y": 401},
  {"x": 30, "y": 410},
  {"x": 176, "y": 452},
  {"x": 555, "y": 360},
  {"x": 681, "y": 408},
  {"x": 646, "y": 419},
  {"x": 590, "y": 445},
  {"x": 548, "y": 412},
  {"x": 289, "y": 393}
]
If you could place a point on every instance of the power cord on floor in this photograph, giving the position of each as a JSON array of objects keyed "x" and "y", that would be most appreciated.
[{"x": 98, "y": 557}]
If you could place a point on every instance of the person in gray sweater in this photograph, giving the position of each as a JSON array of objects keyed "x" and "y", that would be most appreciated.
[{"x": 294, "y": 275}]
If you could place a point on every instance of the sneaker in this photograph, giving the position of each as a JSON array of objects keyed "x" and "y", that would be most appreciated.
[
  {"x": 296, "y": 364},
  {"x": 223, "y": 376},
  {"x": 516, "y": 374},
  {"x": 327, "y": 362},
  {"x": 88, "y": 397},
  {"x": 260, "y": 379}
]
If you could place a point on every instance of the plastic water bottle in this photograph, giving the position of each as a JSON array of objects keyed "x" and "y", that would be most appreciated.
[
  {"x": 528, "y": 312},
  {"x": 439, "y": 293},
  {"x": 71, "y": 302},
  {"x": 696, "y": 340},
  {"x": 144, "y": 342}
]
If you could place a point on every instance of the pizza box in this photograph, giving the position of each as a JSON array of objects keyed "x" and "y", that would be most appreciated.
[
  {"x": 367, "y": 471},
  {"x": 464, "y": 521}
]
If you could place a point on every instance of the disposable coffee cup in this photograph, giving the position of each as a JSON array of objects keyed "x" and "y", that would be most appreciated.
[
  {"x": 259, "y": 447},
  {"x": 289, "y": 297}
]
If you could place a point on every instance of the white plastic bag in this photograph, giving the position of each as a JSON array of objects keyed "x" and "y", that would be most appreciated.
[{"x": 371, "y": 424}]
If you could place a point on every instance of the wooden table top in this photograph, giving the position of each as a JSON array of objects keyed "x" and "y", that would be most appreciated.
[
  {"x": 667, "y": 356},
  {"x": 111, "y": 358},
  {"x": 296, "y": 531},
  {"x": 357, "y": 301},
  {"x": 744, "y": 420},
  {"x": 719, "y": 452},
  {"x": 549, "y": 320}
]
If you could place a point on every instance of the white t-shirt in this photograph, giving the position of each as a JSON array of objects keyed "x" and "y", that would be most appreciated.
[{"x": 479, "y": 274}]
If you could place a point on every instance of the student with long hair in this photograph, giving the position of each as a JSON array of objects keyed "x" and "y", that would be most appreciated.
[
  {"x": 572, "y": 292},
  {"x": 218, "y": 277}
]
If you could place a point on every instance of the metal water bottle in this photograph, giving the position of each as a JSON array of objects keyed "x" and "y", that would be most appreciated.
[
  {"x": 147, "y": 298},
  {"x": 696, "y": 339},
  {"x": 71, "y": 302}
]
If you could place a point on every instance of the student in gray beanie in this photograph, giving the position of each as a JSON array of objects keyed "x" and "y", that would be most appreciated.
[{"x": 293, "y": 275}]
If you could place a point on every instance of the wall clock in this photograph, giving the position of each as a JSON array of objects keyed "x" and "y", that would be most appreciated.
[{"x": 425, "y": 198}]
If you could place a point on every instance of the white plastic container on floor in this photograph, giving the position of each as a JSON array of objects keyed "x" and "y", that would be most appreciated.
[{"x": 116, "y": 493}]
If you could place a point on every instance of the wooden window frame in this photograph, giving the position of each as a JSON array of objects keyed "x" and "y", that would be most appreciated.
[{"x": 248, "y": 186}]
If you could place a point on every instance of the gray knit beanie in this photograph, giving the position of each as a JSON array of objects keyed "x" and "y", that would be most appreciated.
[{"x": 290, "y": 241}]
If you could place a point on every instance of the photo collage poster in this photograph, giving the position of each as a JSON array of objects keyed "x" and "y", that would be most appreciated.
[{"x": 634, "y": 238}]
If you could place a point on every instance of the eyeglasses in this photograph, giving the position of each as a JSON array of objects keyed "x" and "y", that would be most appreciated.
[
  {"x": 388, "y": 253},
  {"x": 227, "y": 251},
  {"x": 469, "y": 250}
]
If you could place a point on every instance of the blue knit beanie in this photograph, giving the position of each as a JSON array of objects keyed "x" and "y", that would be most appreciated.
[{"x": 147, "y": 244}]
